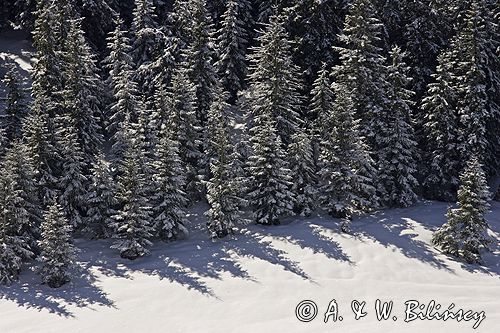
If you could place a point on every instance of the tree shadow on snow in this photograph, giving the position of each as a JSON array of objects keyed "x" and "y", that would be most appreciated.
[
  {"x": 81, "y": 292},
  {"x": 396, "y": 228},
  {"x": 193, "y": 262}
]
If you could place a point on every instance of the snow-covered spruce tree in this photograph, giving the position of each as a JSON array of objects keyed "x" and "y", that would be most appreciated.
[
  {"x": 442, "y": 131},
  {"x": 465, "y": 232},
  {"x": 124, "y": 89},
  {"x": 397, "y": 145},
  {"x": 320, "y": 108},
  {"x": 314, "y": 27},
  {"x": 146, "y": 139},
  {"x": 100, "y": 200},
  {"x": 58, "y": 252},
  {"x": 18, "y": 214},
  {"x": 146, "y": 46},
  {"x": 426, "y": 29},
  {"x": 232, "y": 42},
  {"x": 169, "y": 200},
  {"x": 222, "y": 185},
  {"x": 321, "y": 100},
  {"x": 462, "y": 106},
  {"x": 347, "y": 172},
  {"x": 132, "y": 222},
  {"x": 47, "y": 70},
  {"x": 16, "y": 108},
  {"x": 270, "y": 192},
  {"x": 362, "y": 70},
  {"x": 303, "y": 173},
  {"x": 275, "y": 81},
  {"x": 160, "y": 111},
  {"x": 185, "y": 126},
  {"x": 478, "y": 71},
  {"x": 72, "y": 182},
  {"x": 179, "y": 22},
  {"x": 42, "y": 143},
  {"x": 10, "y": 260},
  {"x": 199, "y": 58},
  {"x": 82, "y": 92},
  {"x": 19, "y": 172},
  {"x": 63, "y": 12}
]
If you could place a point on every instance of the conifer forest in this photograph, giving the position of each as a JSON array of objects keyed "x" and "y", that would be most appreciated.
[{"x": 135, "y": 130}]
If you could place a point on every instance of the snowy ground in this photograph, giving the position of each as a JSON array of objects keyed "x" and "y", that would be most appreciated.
[{"x": 254, "y": 282}]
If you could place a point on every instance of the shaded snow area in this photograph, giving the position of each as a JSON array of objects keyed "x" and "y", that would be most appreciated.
[
  {"x": 254, "y": 282},
  {"x": 15, "y": 48}
]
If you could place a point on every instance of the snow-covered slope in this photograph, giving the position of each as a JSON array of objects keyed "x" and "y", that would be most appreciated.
[{"x": 254, "y": 282}]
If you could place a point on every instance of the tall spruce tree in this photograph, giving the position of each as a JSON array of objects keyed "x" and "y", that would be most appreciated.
[
  {"x": 321, "y": 104},
  {"x": 82, "y": 92},
  {"x": 146, "y": 47},
  {"x": 275, "y": 81},
  {"x": 18, "y": 215},
  {"x": 170, "y": 201},
  {"x": 322, "y": 100},
  {"x": 58, "y": 252},
  {"x": 100, "y": 200},
  {"x": 442, "y": 130},
  {"x": 347, "y": 171},
  {"x": 47, "y": 71},
  {"x": 461, "y": 107},
  {"x": 270, "y": 192},
  {"x": 362, "y": 70},
  {"x": 222, "y": 185},
  {"x": 16, "y": 108},
  {"x": 124, "y": 88},
  {"x": 72, "y": 182},
  {"x": 232, "y": 42},
  {"x": 199, "y": 57},
  {"x": 26, "y": 210},
  {"x": 43, "y": 149},
  {"x": 478, "y": 69},
  {"x": 464, "y": 234},
  {"x": 132, "y": 222},
  {"x": 397, "y": 148},
  {"x": 303, "y": 169},
  {"x": 185, "y": 126}
]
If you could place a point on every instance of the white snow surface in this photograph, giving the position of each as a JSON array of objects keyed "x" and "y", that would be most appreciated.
[{"x": 253, "y": 282}]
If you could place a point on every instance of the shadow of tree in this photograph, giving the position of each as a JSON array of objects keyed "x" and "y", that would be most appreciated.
[
  {"x": 396, "y": 228},
  {"x": 193, "y": 262},
  {"x": 80, "y": 292}
]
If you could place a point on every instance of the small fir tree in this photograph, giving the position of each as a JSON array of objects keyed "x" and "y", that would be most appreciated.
[
  {"x": 464, "y": 234},
  {"x": 58, "y": 252}
]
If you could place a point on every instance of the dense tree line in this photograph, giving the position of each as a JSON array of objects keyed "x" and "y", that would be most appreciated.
[{"x": 346, "y": 106}]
